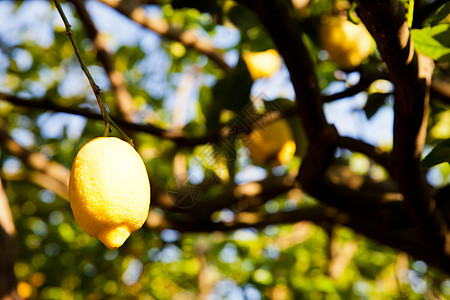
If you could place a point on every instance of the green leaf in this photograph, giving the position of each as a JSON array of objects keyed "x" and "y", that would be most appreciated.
[
  {"x": 439, "y": 154},
  {"x": 194, "y": 129},
  {"x": 210, "y": 108},
  {"x": 252, "y": 31},
  {"x": 321, "y": 7},
  {"x": 433, "y": 42},
  {"x": 373, "y": 104},
  {"x": 280, "y": 104},
  {"x": 441, "y": 14},
  {"x": 243, "y": 18},
  {"x": 233, "y": 91}
]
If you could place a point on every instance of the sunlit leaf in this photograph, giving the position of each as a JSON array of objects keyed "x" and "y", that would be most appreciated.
[{"x": 433, "y": 41}]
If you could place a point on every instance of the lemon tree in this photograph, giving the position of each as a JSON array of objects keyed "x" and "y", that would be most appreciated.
[{"x": 292, "y": 153}]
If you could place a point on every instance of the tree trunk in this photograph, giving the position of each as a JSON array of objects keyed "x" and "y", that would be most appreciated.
[{"x": 7, "y": 250}]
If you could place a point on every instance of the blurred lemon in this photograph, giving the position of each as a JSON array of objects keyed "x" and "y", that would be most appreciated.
[
  {"x": 24, "y": 289},
  {"x": 279, "y": 292},
  {"x": 37, "y": 279},
  {"x": 109, "y": 190},
  {"x": 262, "y": 64},
  {"x": 347, "y": 44},
  {"x": 441, "y": 130},
  {"x": 273, "y": 143}
]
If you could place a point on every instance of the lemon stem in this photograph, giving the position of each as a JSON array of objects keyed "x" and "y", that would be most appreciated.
[
  {"x": 95, "y": 88},
  {"x": 410, "y": 13},
  {"x": 106, "y": 131},
  {"x": 351, "y": 14}
]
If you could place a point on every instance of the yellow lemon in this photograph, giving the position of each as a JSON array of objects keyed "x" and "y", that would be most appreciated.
[
  {"x": 262, "y": 64},
  {"x": 273, "y": 143},
  {"x": 109, "y": 190},
  {"x": 346, "y": 43}
]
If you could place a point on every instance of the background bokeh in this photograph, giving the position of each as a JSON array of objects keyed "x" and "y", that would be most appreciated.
[{"x": 172, "y": 87}]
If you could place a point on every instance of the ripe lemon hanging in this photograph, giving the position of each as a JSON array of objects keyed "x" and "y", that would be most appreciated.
[
  {"x": 109, "y": 190},
  {"x": 346, "y": 43},
  {"x": 262, "y": 64},
  {"x": 274, "y": 143}
]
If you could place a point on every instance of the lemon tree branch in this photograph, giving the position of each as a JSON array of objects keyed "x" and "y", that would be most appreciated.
[
  {"x": 181, "y": 139},
  {"x": 7, "y": 249},
  {"x": 35, "y": 160},
  {"x": 288, "y": 39},
  {"x": 95, "y": 88},
  {"x": 375, "y": 153},
  {"x": 367, "y": 78},
  {"x": 440, "y": 89},
  {"x": 47, "y": 104},
  {"x": 134, "y": 11},
  {"x": 404, "y": 239},
  {"x": 411, "y": 75},
  {"x": 118, "y": 83},
  {"x": 373, "y": 217}
]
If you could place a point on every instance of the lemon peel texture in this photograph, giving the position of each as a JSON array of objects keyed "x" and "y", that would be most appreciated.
[{"x": 109, "y": 190}]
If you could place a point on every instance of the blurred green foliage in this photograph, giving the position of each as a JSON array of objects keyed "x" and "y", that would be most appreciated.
[{"x": 57, "y": 260}]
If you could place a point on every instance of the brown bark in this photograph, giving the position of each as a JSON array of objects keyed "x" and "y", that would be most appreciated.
[
  {"x": 411, "y": 75},
  {"x": 7, "y": 250},
  {"x": 322, "y": 137}
]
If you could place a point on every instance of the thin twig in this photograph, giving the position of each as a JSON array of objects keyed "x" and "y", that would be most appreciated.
[
  {"x": 136, "y": 13},
  {"x": 366, "y": 80},
  {"x": 95, "y": 88},
  {"x": 118, "y": 83}
]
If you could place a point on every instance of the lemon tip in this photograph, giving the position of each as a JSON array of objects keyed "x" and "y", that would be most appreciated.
[{"x": 115, "y": 237}]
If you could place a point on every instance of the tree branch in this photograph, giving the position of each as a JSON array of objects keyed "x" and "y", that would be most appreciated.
[
  {"x": 34, "y": 159},
  {"x": 123, "y": 97},
  {"x": 267, "y": 188},
  {"x": 403, "y": 239},
  {"x": 41, "y": 179},
  {"x": 47, "y": 104},
  {"x": 179, "y": 138},
  {"x": 375, "y": 213},
  {"x": 411, "y": 75},
  {"x": 322, "y": 137},
  {"x": 440, "y": 87},
  {"x": 95, "y": 88},
  {"x": 367, "y": 78},
  {"x": 375, "y": 153},
  {"x": 132, "y": 10},
  {"x": 7, "y": 249}
]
